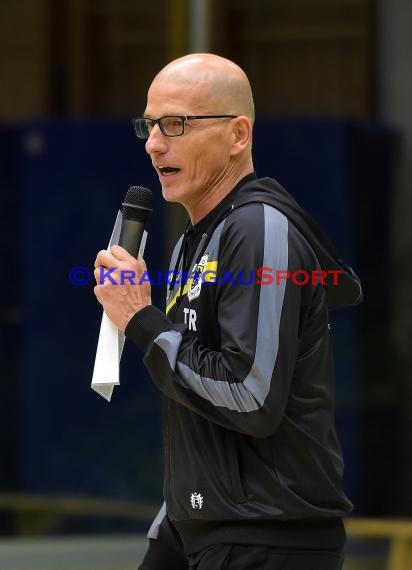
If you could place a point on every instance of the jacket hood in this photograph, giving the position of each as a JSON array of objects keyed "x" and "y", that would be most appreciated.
[{"x": 348, "y": 290}]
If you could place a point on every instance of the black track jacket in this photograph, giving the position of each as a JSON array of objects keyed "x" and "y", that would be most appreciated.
[{"x": 243, "y": 357}]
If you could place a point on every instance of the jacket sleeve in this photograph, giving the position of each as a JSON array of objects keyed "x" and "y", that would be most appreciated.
[{"x": 244, "y": 385}]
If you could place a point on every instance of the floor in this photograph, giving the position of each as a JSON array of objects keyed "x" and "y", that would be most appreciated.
[{"x": 125, "y": 552}]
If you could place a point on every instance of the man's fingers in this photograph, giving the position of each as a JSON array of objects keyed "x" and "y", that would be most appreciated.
[
  {"x": 105, "y": 259},
  {"x": 97, "y": 290},
  {"x": 121, "y": 254},
  {"x": 117, "y": 267},
  {"x": 141, "y": 264},
  {"x": 103, "y": 276}
]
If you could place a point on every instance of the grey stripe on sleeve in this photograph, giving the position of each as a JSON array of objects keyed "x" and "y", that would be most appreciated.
[
  {"x": 221, "y": 393},
  {"x": 276, "y": 255},
  {"x": 233, "y": 396},
  {"x": 251, "y": 394},
  {"x": 169, "y": 342}
]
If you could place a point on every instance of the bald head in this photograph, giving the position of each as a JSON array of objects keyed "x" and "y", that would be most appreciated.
[
  {"x": 208, "y": 101},
  {"x": 219, "y": 85}
]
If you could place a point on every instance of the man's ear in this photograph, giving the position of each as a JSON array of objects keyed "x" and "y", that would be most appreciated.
[{"x": 241, "y": 133}]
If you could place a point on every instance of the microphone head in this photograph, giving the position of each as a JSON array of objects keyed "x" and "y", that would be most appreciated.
[{"x": 138, "y": 203}]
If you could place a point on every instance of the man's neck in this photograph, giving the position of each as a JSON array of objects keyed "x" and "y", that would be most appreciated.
[{"x": 209, "y": 201}]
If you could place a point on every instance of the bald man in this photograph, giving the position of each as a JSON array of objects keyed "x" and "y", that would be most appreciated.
[{"x": 242, "y": 353}]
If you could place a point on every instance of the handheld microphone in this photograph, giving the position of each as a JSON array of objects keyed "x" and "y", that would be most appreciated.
[{"x": 136, "y": 209}]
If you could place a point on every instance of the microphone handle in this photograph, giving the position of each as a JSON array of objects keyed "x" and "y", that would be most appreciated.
[{"x": 131, "y": 234}]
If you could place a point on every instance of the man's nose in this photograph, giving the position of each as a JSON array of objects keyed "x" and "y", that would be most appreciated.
[{"x": 156, "y": 142}]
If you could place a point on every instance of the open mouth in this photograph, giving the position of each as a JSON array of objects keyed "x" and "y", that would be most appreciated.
[{"x": 168, "y": 170}]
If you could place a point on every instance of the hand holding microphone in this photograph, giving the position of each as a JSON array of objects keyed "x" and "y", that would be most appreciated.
[{"x": 120, "y": 271}]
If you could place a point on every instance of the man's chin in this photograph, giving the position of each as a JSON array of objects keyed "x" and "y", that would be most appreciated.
[{"x": 171, "y": 195}]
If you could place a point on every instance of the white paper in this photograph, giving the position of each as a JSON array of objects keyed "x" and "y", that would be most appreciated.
[
  {"x": 108, "y": 354},
  {"x": 111, "y": 340}
]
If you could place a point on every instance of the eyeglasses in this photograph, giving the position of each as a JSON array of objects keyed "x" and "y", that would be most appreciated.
[{"x": 170, "y": 125}]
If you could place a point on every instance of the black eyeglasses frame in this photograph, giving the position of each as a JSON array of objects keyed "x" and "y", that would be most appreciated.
[{"x": 183, "y": 119}]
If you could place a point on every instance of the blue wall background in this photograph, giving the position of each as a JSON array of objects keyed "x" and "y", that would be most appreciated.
[{"x": 61, "y": 186}]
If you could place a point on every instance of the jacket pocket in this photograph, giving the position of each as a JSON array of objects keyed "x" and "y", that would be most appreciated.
[{"x": 236, "y": 488}]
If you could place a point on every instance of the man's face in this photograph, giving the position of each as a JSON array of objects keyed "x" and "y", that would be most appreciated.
[{"x": 200, "y": 158}]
